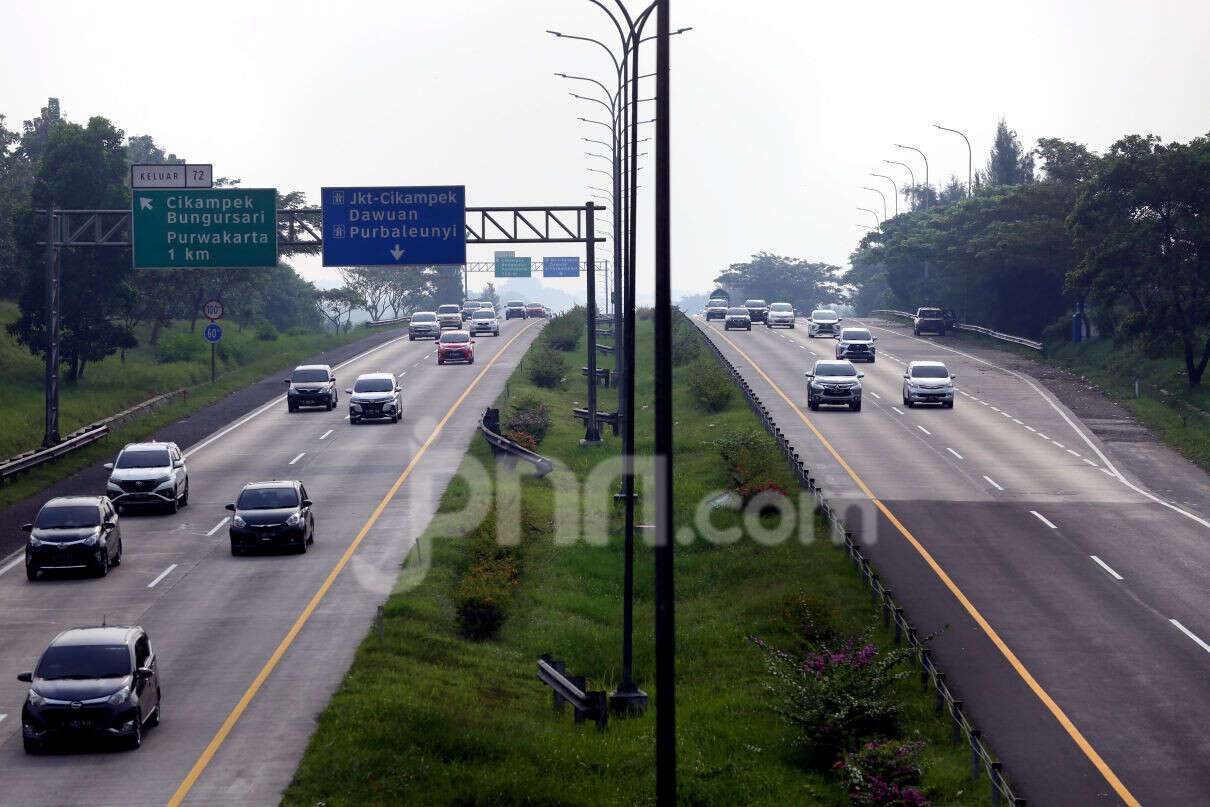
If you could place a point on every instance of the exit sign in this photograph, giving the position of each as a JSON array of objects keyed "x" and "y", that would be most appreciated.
[{"x": 220, "y": 228}]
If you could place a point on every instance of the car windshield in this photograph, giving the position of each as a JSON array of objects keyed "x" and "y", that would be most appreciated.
[
  {"x": 484, "y": 315},
  {"x": 755, "y": 303},
  {"x": 717, "y": 303},
  {"x": 515, "y": 304},
  {"x": 267, "y": 499},
  {"x": 929, "y": 312},
  {"x": 373, "y": 385},
  {"x": 310, "y": 376},
  {"x": 448, "y": 309},
  {"x": 930, "y": 371},
  {"x": 146, "y": 458},
  {"x": 85, "y": 662},
  {"x": 781, "y": 307},
  {"x": 427, "y": 316},
  {"x": 835, "y": 368},
  {"x": 855, "y": 334},
  {"x": 737, "y": 312},
  {"x": 824, "y": 316},
  {"x": 68, "y": 516},
  {"x": 455, "y": 336}
]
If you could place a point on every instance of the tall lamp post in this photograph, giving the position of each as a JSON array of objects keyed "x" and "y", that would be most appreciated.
[
  {"x": 911, "y": 175},
  {"x": 877, "y": 223},
  {"x": 970, "y": 158},
  {"x": 927, "y": 187},
  {"x": 894, "y": 187},
  {"x": 880, "y": 193}
]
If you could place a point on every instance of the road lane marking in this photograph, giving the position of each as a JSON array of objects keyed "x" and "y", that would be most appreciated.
[
  {"x": 1043, "y": 436},
  {"x": 1073, "y": 453},
  {"x": 961, "y": 392},
  {"x": 926, "y": 431},
  {"x": 985, "y": 403},
  {"x": 994, "y": 409},
  {"x": 218, "y": 526},
  {"x": 955, "y": 453},
  {"x": 992, "y": 482},
  {"x": 897, "y": 410},
  {"x": 324, "y": 436},
  {"x": 1005, "y": 414},
  {"x": 225, "y": 729},
  {"x": 2, "y": 718},
  {"x": 1043, "y": 519},
  {"x": 1060, "y": 445},
  {"x": 1191, "y": 635},
  {"x": 1108, "y": 472},
  {"x": 301, "y": 454},
  {"x": 1105, "y": 566},
  {"x": 1032, "y": 429},
  {"x": 10, "y": 565},
  {"x": 876, "y": 395},
  {"x": 163, "y": 574},
  {"x": 1018, "y": 422},
  {"x": 988, "y": 630},
  {"x": 1090, "y": 462}
]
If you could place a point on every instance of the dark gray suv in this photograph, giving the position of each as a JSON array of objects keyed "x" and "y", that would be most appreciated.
[{"x": 834, "y": 383}]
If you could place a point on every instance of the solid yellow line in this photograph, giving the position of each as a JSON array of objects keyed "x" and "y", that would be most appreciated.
[
  {"x": 1064, "y": 721},
  {"x": 254, "y": 687}
]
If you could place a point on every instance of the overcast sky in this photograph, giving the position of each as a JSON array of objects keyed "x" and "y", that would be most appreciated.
[{"x": 780, "y": 109}]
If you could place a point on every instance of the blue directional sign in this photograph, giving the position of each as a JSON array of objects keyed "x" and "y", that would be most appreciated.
[
  {"x": 213, "y": 332},
  {"x": 561, "y": 267},
  {"x": 513, "y": 267},
  {"x": 394, "y": 226}
]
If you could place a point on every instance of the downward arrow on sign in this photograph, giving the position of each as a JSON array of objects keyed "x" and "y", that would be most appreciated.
[
  {"x": 397, "y": 253},
  {"x": 144, "y": 203}
]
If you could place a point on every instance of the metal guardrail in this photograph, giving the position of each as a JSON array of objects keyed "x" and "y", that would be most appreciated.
[
  {"x": 571, "y": 689},
  {"x": 489, "y": 427},
  {"x": 1003, "y": 337},
  {"x": 614, "y": 419},
  {"x": 33, "y": 459},
  {"x": 604, "y": 375},
  {"x": 384, "y": 322},
  {"x": 892, "y": 614}
]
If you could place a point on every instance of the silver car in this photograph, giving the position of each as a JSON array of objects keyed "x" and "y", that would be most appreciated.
[
  {"x": 823, "y": 322},
  {"x": 423, "y": 324},
  {"x": 148, "y": 474},
  {"x": 484, "y": 321},
  {"x": 855, "y": 344},
  {"x": 375, "y": 396},
  {"x": 449, "y": 316},
  {"x": 928, "y": 382},
  {"x": 834, "y": 382},
  {"x": 780, "y": 315},
  {"x": 737, "y": 317}
]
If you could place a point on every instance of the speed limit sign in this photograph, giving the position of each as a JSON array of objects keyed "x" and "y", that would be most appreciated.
[{"x": 212, "y": 310}]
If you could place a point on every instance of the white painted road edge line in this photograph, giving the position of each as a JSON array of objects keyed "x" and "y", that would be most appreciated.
[
  {"x": 301, "y": 454},
  {"x": 1105, "y": 566},
  {"x": 952, "y": 451},
  {"x": 1032, "y": 429},
  {"x": 217, "y": 526},
  {"x": 1191, "y": 635},
  {"x": 10, "y": 565},
  {"x": 926, "y": 431},
  {"x": 1043, "y": 519},
  {"x": 163, "y": 574},
  {"x": 992, "y": 482},
  {"x": 324, "y": 436}
]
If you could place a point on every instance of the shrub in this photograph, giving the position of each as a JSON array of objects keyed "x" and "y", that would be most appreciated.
[
  {"x": 546, "y": 367},
  {"x": 179, "y": 347},
  {"x": 298, "y": 330},
  {"x": 484, "y": 592},
  {"x": 265, "y": 332},
  {"x": 523, "y": 439},
  {"x": 751, "y": 460},
  {"x": 710, "y": 386},
  {"x": 885, "y": 774},
  {"x": 563, "y": 332}
]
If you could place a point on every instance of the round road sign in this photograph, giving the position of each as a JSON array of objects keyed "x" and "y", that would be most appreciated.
[
  {"x": 213, "y": 332},
  {"x": 212, "y": 310}
]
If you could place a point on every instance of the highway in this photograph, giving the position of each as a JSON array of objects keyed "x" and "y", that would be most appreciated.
[
  {"x": 1075, "y": 595},
  {"x": 251, "y": 648}
]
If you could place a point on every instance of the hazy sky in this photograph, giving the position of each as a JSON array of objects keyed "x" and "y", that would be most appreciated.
[{"x": 780, "y": 109}]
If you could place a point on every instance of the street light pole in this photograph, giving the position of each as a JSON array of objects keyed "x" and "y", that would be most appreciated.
[
  {"x": 970, "y": 159},
  {"x": 927, "y": 187},
  {"x": 911, "y": 176},
  {"x": 880, "y": 193},
  {"x": 893, "y": 186},
  {"x": 874, "y": 214}
]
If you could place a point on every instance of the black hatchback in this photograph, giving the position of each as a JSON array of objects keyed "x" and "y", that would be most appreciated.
[
  {"x": 92, "y": 684},
  {"x": 73, "y": 532},
  {"x": 271, "y": 515}
]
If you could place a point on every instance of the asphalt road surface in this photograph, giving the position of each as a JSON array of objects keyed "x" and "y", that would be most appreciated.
[
  {"x": 1075, "y": 595},
  {"x": 251, "y": 648}
]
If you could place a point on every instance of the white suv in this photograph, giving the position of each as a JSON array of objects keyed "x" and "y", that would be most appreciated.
[
  {"x": 823, "y": 322},
  {"x": 928, "y": 382},
  {"x": 484, "y": 321},
  {"x": 148, "y": 473},
  {"x": 780, "y": 314}
]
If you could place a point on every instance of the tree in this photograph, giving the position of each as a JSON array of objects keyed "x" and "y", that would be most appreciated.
[
  {"x": 954, "y": 191},
  {"x": 1008, "y": 163},
  {"x": 1066, "y": 163},
  {"x": 337, "y": 306},
  {"x": 142, "y": 150},
  {"x": 16, "y": 179},
  {"x": 1143, "y": 223},
  {"x": 372, "y": 285},
  {"x": 488, "y": 295},
  {"x": 778, "y": 279}
]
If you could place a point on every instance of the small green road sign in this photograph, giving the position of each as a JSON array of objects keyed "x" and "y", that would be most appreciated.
[
  {"x": 221, "y": 227},
  {"x": 509, "y": 266}
]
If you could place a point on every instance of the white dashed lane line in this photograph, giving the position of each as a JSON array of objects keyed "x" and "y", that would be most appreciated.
[
  {"x": 216, "y": 527},
  {"x": 926, "y": 431},
  {"x": 897, "y": 410},
  {"x": 10, "y": 565},
  {"x": 163, "y": 574},
  {"x": 876, "y": 395},
  {"x": 301, "y": 454},
  {"x": 1073, "y": 453},
  {"x": 1032, "y": 429},
  {"x": 1060, "y": 445},
  {"x": 992, "y": 482},
  {"x": 1043, "y": 519},
  {"x": 324, "y": 436},
  {"x": 1191, "y": 635},
  {"x": 955, "y": 453},
  {"x": 1090, "y": 462},
  {"x": 1105, "y": 566}
]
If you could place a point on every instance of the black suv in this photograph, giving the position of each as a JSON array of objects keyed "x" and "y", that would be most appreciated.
[
  {"x": 271, "y": 515},
  {"x": 311, "y": 385},
  {"x": 92, "y": 683},
  {"x": 514, "y": 308},
  {"x": 757, "y": 309},
  {"x": 73, "y": 532}
]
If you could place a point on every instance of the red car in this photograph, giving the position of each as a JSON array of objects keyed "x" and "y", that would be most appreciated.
[
  {"x": 455, "y": 346},
  {"x": 535, "y": 310}
]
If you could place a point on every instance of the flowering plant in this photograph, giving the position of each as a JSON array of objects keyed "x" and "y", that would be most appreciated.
[{"x": 884, "y": 774}]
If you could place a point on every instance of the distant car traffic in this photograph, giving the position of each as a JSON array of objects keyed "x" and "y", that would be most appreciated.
[
  {"x": 92, "y": 683},
  {"x": 271, "y": 515},
  {"x": 469, "y": 307},
  {"x": 737, "y": 317},
  {"x": 834, "y": 383},
  {"x": 780, "y": 315},
  {"x": 73, "y": 532},
  {"x": 929, "y": 319},
  {"x": 823, "y": 322},
  {"x": 535, "y": 310},
  {"x": 148, "y": 474},
  {"x": 449, "y": 316},
  {"x": 423, "y": 324},
  {"x": 455, "y": 346},
  {"x": 757, "y": 309},
  {"x": 311, "y": 385},
  {"x": 485, "y": 321},
  {"x": 514, "y": 308},
  {"x": 375, "y": 396},
  {"x": 716, "y": 309},
  {"x": 928, "y": 382},
  {"x": 856, "y": 344}
]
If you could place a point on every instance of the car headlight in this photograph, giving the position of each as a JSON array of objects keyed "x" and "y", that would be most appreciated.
[
  {"x": 293, "y": 520},
  {"x": 354, "y": 407},
  {"x": 36, "y": 700},
  {"x": 35, "y": 542},
  {"x": 120, "y": 697},
  {"x": 389, "y": 405},
  {"x": 237, "y": 521},
  {"x": 93, "y": 539},
  {"x": 112, "y": 486},
  {"x": 816, "y": 385},
  {"x": 164, "y": 482}
]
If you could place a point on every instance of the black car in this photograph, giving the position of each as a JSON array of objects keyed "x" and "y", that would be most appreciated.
[
  {"x": 311, "y": 385},
  {"x": 757, "y": 309},
  {"x": 73, "y": 532},
  {"x": 92, "y": 683},
  {"x": 514, "y": 308},
  {"x": 271, "y": 515}
]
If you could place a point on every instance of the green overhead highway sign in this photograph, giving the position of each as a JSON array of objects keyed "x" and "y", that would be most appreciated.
[{"x": 222, "y": 228}]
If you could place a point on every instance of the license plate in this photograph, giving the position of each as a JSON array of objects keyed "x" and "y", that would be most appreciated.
[{"x": 79, "y": 724}]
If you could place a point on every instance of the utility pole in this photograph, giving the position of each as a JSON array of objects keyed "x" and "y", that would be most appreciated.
[
  {"x": 51, "y": 437},
  {"x": 592, "y": 434}
]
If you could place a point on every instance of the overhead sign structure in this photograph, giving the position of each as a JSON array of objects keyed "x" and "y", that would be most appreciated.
[
  {"x": 212, "y": 310},
  {"x": 399, "y": 226},
  {"x": 220, "y": 228},
  {"x": 561, "y": 267},
  {"x": 200, "y": 175},
  {"x": 213, "y": 332},
  {"x": 513, "y": 267}
]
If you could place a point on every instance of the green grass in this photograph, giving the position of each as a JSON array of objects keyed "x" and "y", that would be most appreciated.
[
  {"x": 425, "y": 716},
  {"x": 110, "y": 386}
]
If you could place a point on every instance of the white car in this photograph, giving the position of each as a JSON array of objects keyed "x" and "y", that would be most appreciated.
[
  {"x": 375, "y": 396},
  {"x": 148, "y": 474},
  {"x": 928, "y": 382},
  {"x": 823, "y": 322},
  {"x": 855, "y": 344},
  {"x": 780, "y": 315},
  {"x": 484, "y": 321}
]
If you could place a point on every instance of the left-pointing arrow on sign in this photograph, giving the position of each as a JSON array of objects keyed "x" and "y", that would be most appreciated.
[
  {"x": 396, "y": 253},
  {"x": 144, "y": 203}
]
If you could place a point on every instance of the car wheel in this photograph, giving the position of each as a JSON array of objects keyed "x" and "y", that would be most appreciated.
[
  {"x": 291, "y": 407},
  {"x": 103, "y": 564},
  {"x": 440, "y": 362},
  {"x": 947, "y": 404},
  {"x": 117, "y": 559},
  {"x": 32, "y": 746},
  {"x": 301, "y": 547},
  {"x": 855, "y": 406},
  {"x": 915, "y": 332},
  {"x": 135, "y": 741},
  {"x": 154, "y": 719},
  {"x": 791, "y": 326},
  {"x": 31, "y": 573},
  {"x": 411, "y": 338},
  {"x": 236, "y": 550},
  {"x": 471, "y": 360},
  {"x": 810, "y": 335},
  {"x": 173, "y": 505}
]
